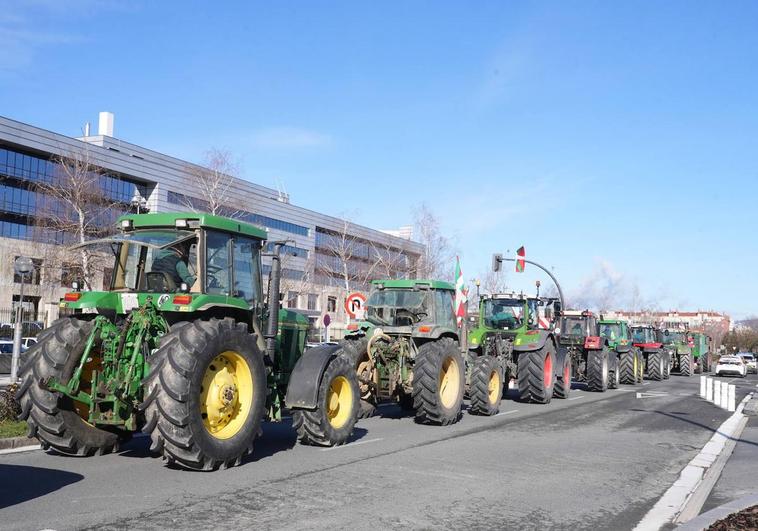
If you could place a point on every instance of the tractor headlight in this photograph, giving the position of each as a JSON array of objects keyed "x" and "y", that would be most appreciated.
[
  {"x": 126, "y": 224},
  {"x": 474, "y": 341}
]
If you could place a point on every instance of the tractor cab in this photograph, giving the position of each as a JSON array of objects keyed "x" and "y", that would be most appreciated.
[
  {"x": 616, "y": 332},
  {"x": 643, "y": 335},
  {"x": 579, "y": 328},
  {"x": 513, "y": 313}
]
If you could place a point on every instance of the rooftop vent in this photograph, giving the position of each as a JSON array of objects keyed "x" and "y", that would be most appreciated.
[{"x": 105, "y": 125}]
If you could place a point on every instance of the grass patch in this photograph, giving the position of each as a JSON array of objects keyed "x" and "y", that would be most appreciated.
[{"x": 12, "y": 428}]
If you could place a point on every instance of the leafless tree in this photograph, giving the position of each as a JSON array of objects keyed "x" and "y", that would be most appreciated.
[
  {"x": 437, "y": 257},
  {"x": 302, "y": 285},
  {"x": 214, "y": 179},
  {"x": 347, "y": 258},
  {"x": 73, "y": 207},
  {"x": 390, "y": 261}
]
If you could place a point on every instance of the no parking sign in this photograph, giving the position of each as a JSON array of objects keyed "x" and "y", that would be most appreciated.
[{"x": 355, "y": 305}]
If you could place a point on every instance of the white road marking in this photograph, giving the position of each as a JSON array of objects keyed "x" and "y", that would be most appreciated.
[
  {"x": 577, "y": 397},
  {"x": 645, "y": 383},
  {"x": 506, "y": 412},
  {"x": 655, "y": 394},
  {"x": 350, "y": 445}
]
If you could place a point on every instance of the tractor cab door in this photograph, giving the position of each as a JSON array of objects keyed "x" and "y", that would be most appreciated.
[{"x": 246, "y": 269}]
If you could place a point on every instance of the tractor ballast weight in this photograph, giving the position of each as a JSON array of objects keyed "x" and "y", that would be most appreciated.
[
  {"x": 184, "y": 348},
  {"x": 593, "y": 360}
]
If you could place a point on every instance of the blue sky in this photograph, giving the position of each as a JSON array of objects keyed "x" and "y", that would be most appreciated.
[{"x": 616, "y": 141}]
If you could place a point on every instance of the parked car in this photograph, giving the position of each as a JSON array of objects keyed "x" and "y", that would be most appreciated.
[
  {"x": 6, "y": 353},
  {"x": 732, "y": 366},
  {"x": 27, "y": 342},
  {"x": 750, "y": 361}
]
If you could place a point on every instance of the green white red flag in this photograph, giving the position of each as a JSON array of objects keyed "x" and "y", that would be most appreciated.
[
  {"x": 461, "y": 293},
  {"x": 520, "y": 263}
]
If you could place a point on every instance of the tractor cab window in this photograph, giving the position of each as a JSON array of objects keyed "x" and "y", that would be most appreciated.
[
  {"x": 611, "y": 332},
  {"x": 445, "y": 313},
  {"x": 217, "y": 263},
  {"x": 503, "y": 314},
  {"x": 573, "y": 327},
  {"x": 246, "y": 269},
  {"x": 669, "y": 337},
  {"x": 402, "y": 307},
  {"x": 642, "y": 335},
  {"x": 533, "y": 314}
]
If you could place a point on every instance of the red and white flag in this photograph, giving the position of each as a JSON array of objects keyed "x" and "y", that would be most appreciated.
[
  {"x": 461, "y": 293},
  {"x": 520, "y": 263}
]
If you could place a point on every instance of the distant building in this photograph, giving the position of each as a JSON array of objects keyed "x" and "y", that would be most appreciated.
[
  {"x": 699, "y": 321},
  {"x": 135, "y": 177}
]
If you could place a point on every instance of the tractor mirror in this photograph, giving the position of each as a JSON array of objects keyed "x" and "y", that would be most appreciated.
[{"x": 497, "y": 262}]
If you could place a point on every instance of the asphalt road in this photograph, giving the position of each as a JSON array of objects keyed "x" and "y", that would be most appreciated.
[{"x": 595, "y": 461}]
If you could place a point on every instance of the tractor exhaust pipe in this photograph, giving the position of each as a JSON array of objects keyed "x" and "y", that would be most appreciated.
[{"x": 274, "y": 282}]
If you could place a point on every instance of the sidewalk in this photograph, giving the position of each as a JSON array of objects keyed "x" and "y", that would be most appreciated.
[{"x": 5, "y": 380}]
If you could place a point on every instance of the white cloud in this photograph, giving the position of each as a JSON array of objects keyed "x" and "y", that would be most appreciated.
[{"x": 289, "y": 138}]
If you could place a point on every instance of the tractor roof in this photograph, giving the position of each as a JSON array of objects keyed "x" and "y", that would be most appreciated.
[
  {"x": 402, "y": 283},
  {"x": 193, "y": 219},
  {"x": 611, "y": 321}
]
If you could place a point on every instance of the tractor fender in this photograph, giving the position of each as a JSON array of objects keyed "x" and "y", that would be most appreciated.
[
  {"x": 536, "y": 342},
  {"x": 302, "y": 389},
  {"x": 621, "y": 349}
]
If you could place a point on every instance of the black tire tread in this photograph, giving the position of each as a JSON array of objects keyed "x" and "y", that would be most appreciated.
[
  {"x": 425, "y": 382},
  {"x": 479, "y": 387},
  {"x": 596, "y": 380},
  {"x": 530, "y": 376}
]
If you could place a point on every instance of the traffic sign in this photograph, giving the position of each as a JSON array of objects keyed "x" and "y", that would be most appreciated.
[
  {"x": 327, "y": 319},
  {"x": 354, "y": 304}
]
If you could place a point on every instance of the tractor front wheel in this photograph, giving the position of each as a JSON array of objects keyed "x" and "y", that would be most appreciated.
[
  {"x": 563, "y": 383},
  {"x": 58, "y": 421},
  {"x": 628, "y": 368},
  {"x": 486, "y": 388},
  {"x": 205, "y": 394},
  {"x": 536, "y": 376},
  {"x": 597, "y": 370},
  {"x": 613, "y": 377},
  {"x": 656, "y": 366},
  {"x": 332, "y": 422},
  {"x": 438, "y": 382}
]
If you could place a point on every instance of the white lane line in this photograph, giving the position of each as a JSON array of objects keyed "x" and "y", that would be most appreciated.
[
  {"x": 645, "y": 383},
  {"x": 577, "y": 397},
  {"x": 350, "y": 445},
  {"x": 506, "y": 412}
]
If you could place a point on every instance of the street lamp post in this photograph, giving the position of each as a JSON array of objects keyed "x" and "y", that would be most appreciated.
[
  {"x": 23, "y": 266},
  {"x": 138, "y": 202}
]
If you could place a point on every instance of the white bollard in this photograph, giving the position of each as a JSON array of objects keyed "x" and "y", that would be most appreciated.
[
  {"x": 702, "y": 386},
  {"x": 717, "y": 392},
  {"x": 724, "y": 395},
  {"x": 709, "y": 389},
  {"x": 732, "y": 402}
]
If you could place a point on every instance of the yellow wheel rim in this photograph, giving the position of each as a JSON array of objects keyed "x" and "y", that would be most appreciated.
[
  {"x": 636, "y": 373},
  {"x": 226, "y": 395},
  {"x": 494, "y": 387},
  {"x": 339, "y": 402},
  {"x": 449, "y": 382}
]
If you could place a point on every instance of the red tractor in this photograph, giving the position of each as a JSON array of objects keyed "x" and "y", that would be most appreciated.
[
  {"x": 592, "y": 360},
  {"x": 656, "y": 359}
]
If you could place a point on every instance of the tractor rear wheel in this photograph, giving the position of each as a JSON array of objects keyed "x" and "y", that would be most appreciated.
[
  {"x": 685, "y": 365},
  {"x": 205, "y": 394},
  {"x": 613, "y": 375},
  {"x": 655, "y": 366},
  {"x": 438, "y": 382},
  {"x": 58, "y": 421},
  {"x": 486, "y": 388},
  {"x": 597, "y": 370},
  {"x": 666, "y": 366},
  {"x": 562, "y": 386},
  {"x": 332, "y": 422},
  {"x": 355, "y": 350},
  {"x": 628, "y": 369},
  {"x": 536, "y": 376},
  {"x": 640, "y": 357}
]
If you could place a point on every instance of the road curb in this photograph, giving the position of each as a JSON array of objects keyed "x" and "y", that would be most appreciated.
[
  {"x": 14, "y": 442},
  {"x": 684, "y": 499},
  {"x": 714, "y": 515}
]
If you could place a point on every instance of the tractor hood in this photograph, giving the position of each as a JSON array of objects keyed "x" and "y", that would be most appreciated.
[{"x": 124, "y": 302}]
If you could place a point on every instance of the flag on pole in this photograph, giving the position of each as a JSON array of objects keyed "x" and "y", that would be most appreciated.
[
  {"x": 520, "y": 263},
  {"x": 461, "y": 293}
]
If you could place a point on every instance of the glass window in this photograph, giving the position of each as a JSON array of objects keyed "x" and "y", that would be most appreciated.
[
  {"x": 312, "y": 301},
  {"x": 246, "y": 269},
  {"x": 217, "y": 263},
  {"x": 444, "y": 308},
  {"x": 291, "y": 299},
  {"x": 331, "y": 304}
]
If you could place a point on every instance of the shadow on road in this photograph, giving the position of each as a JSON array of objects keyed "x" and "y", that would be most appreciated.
[
  {"x": 19, "y": 483},
  {"x": 676, "y": 415}
]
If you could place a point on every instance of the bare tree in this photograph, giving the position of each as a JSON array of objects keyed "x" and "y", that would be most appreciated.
[
  {"x": 297, "y": 286},
  {"x": 73, "y": 207},
  {"x": 214, "y": 180},
  {"x": 390, "y": 261},
  {"x": 437, "y": 258},
  {"x": 347, "y": 258}
]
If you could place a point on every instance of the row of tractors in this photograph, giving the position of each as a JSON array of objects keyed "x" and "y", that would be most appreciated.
[{"x": 198, "y": 356}]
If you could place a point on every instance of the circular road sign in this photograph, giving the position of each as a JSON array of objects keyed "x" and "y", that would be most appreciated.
[
  {"x": 327, "y": 320},
  {"x": 354, "y": 304}
]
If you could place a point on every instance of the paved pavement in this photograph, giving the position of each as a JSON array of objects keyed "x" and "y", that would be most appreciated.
[{"x": 595, "y": 461}]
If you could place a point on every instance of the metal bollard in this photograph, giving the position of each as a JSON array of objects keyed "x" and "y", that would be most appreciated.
[
  {"x": 702, "y": 386},
  {"x": 709, "y": 389},
  {"x": 732, "y": 400},
  {"x": 717, "y": 392}
]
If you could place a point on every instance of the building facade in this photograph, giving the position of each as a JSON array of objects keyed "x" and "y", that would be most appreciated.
[
  {"x": 325, "y": 258},
  {"x": 709, "y": 322}
]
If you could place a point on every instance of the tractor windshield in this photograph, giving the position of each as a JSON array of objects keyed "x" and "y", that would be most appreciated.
[
  {"x": 157, "y": 261},
  {"x": 668, "y": 337},
  {"x": 504, "y": 314},
  {"x": 612, "y": 332},
  {"x": 397, "y": 307},
  {"x": 642, "y": 335},
  {"x": 573, "y": 327}
]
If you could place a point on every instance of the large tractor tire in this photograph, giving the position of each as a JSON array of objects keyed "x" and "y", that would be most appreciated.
[
  {"x": 58, "y": 421},
  {"x": 205, "y": 394},
  {"x": 656, "y": 366},
  {"x": 355, "y": 350},
  {"x": 666, "y": 366},
  {"x": 536, "y": 376},
  {"x": 438, "y": 382},
  {"x": 332, "y": 422},
  {"x": 562, "y": 386},
  {"x": 613, "y": 375},
  {"x": 598, "y": 373},
  {"x": 486, "y": 387},
  {"x": 685, "y": 365},
  {"x": 628, "y": 367},
  {"x": 640, "y": 365}
]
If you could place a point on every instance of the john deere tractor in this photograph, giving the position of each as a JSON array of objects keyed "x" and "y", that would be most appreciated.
[
  {"x": 701, "y": 352},
  {"x": 678, "y": 344},
  {"x": 619, "y": 338},
  {"x": 407, "y": 350},
  {"x": 514, "y": 340},
  {"x": 592, "y": 359},
  {"x": 184, "y": 348},
  {"x": 656, "y": 359}
]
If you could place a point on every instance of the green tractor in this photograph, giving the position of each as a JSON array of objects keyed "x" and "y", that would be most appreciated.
[
  {"x": 701, "y": 352},
  {"x": 592, "y": 358},
  {"x": 657, "y": 362},
  {"x": 619, "y": 337},
  {"x": 678, "y": 345},
  {"x": 514, "y": 340},
  {"x": 183, "y": 348},
  {"x": 407, "y": 350}
]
